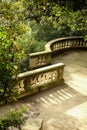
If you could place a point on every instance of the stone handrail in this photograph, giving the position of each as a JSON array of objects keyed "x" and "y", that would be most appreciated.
[
  {"x": 41, "y": 59},
  {"x": 31, "y": 82}
]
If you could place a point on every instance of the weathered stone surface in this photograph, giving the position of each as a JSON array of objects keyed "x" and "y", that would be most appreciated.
[
  {"x": 13, "y": 128},
  {"x": 33, "y": 124}
]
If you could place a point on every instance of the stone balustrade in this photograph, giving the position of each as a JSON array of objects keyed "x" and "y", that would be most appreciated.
[
  {"x": 66, "y": 43},
  {"x": 45, "y": 76},
  {"x": 41, "y": 59},
  {"x": 31, "y": 82}
]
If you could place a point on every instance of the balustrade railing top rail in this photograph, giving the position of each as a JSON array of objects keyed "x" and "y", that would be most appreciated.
[{"x": 63, "y": 43}]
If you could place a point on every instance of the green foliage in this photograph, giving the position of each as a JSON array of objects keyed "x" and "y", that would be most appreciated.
[
  {"x": 14, "y": 118},
  {"x": 35, "y": 9},
  {"x": 11, "y": 27},
  {"x": 46, "y": 31},
  {"x": 30, "y": 45},
  {"x": 57, "y": 18},
  {"x": 71, "y": 4},
  {"x": 64, "y": 24},
  {"x": 68, "y": 17}
]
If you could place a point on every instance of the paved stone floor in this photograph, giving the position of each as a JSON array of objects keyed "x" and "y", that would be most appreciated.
[
  {"x": 63, "y": 107},
  {"x": 76, "y": 69}
]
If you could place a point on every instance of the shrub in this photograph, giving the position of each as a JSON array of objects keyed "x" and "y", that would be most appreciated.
[{"x": 14, "y": 118}]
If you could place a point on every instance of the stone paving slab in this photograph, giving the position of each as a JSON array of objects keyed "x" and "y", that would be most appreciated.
[
  {"x": 79, "y": 111},
  {"x": 75, "y": 73}
]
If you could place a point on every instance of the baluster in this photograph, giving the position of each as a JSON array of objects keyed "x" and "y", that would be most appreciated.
[
  {"x": 80, "y": 43},
  {"x": 54, "y": 47},
  {"x": 55, "y": 74},
  {"x": 65, "y": 44},
  {"x": 33, "y": 81},
  {"x": 44, "y": 59},
  {"x": 42, "y": 78}
]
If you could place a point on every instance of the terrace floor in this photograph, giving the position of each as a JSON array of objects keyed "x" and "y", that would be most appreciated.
[{"x": 63, "y": 107}]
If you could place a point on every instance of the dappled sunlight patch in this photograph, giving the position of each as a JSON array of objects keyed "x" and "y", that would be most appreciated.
[
  {"x": 78, "y": 82},
  {"x": 79, "y": 111}
]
